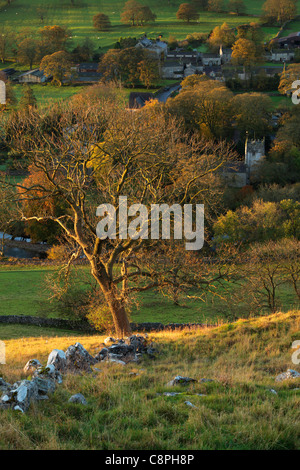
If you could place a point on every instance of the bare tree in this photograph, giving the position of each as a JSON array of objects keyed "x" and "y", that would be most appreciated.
[{"x": 95, "y": 154}]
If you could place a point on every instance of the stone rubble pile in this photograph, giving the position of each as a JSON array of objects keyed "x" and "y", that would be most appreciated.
[
  {"x": 289, "y": 374},
  {"x": 42, "y": 380},
  {"x": 129, "y": 349}
]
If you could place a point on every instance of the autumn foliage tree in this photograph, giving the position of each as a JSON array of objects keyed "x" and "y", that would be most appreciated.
[
  {"x": 101, "y": 22},
  {"x": 280, "y": 11},
  {"x": 135, "y": 13},
  {"x": 94, "y": 155},
  {"x": 58, "y": 66},
  {"x": 221, "y": 36},
  {"x": 187, "y": 12}
]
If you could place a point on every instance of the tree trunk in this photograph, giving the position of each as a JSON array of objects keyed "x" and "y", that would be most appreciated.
[
  {"x": 117, "y": 309},
  {"x": 121, "y": 322}
]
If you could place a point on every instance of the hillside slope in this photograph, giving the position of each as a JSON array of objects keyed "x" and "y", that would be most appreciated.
[
  {"x": 129, "y": 411},
  {"x": 22, "y": 14}
]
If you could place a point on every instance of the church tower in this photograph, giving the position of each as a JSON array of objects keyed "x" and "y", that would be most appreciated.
[{"x": 254, "y": 153}]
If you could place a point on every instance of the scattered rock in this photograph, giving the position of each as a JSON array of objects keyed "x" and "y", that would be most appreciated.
[
  {"x": 289, "y": 374},
  {"x": 206, "y": 380},
  {"x": 58, "y": 359},
  {"x": 4, "y": 386},
  {"x": 126, "y": 350},
  {"x": 116, "y": 360},
  {"x": 48, "y": 372},
  {"x": 109, "y": 340},
  {"x": 172, "y": 394},
  {"x": 188, "y": 403},
  {"x": 78, "y": 359},
  {"x": 273, "y": 391},
  {"x": 31, "y": 366},
  {"x": 44, "y": 386},
  {"x": 101, "y": 355},
  {"x": 22, "y": 396},
  {"x": 78, "y": 398},
  {"x": 179, "y": 380}
]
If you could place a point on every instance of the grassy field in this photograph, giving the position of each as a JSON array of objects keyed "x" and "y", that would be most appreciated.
[
  {"x": 127, "y": 411},
  {"x": 49, "y": 94},
  {"x": 22, "y": 14},
  {"x": 23, "y": 292}
]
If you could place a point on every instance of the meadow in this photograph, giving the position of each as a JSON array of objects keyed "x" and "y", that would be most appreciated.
[
  {"x": 127, "y": 408},
  {"x": 78, "y": 18},
  {"x": 24, "y": 292}
]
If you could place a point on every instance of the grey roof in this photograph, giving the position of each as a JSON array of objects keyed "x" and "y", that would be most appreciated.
[{"x": 210, "y": 55}]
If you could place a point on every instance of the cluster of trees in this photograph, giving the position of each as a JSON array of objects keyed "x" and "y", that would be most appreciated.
[
  {"x": 94, "y": 152},
  {"x": 209, "y": 108},
  {"x": 134, "y": 13},
  {"x": 260, "y": 222},
  {"x": 137, "y": 14},
  {"x": 279, "y": 11},
  {"x": 129, "y": 66},
  {"x": 246, "y": 42},
  {"x": 51, "y": 40}
]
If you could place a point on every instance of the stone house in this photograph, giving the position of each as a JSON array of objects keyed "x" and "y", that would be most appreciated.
[
  {"x": 290, "y": 41},
  {"x": 238, "y": 174},
  {"x": 33, "y": 76},
  {"x": 282, "y": 55},
  {"x": 171, "y": 69},
  {"x": 209, "y": 59},
  {"x": 156, "y": 48}
]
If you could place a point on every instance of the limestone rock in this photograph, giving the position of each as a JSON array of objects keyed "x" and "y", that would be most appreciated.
[
  {"x": 44, "y": 386},
  {"x": 109, "y": 340},
  {"x": 58, "y": 359},
  {"x": 31, "y": 366},
  {"x": 48, "y": 372},
  {"x": 188, "y": 403},
  {"x": 78, "y": 398},
  {"x": 22, "y": 396},
  {"x": 78, "y": 359},
  {"x": 101, "y": 355},
  {"x": 289, "y": 374},
  {"x": 4, "y": 386},
  {"x": 179, "y": 380}
]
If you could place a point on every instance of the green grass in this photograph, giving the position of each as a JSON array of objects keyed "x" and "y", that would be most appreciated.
[
  {"x": 22, "y": 14},
  {"x": 22, "y": 292},
  {"x": 130, "y": 412},
  {"x": 47, "y": 94}
]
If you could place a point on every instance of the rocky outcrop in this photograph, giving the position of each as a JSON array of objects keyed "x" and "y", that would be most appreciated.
[
  {"x": 289, "y": 374},
  {"x": 78, "y": 398},
  {"x": 58, "y": 359},
  {"x": 75, "y": 360},
  {"x": 78, "y": 359},
  {"x": 129, "y": 349},
  {"x": 31, "y": 366},
  {"x": 179, "y": 380},
  {"x": 20, "y": 396}
]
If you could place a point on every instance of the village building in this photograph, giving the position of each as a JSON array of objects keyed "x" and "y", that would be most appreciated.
[
  {"x": 157, "y": 48},
  {"x": 281, "y": 55},
  {"x": 87, "y": 72},
  {"x": 137, "y": 100},
  {"x": 33, "y": 76},
  {"x": 209, "y": 59},
  {"x": 171, "y": 69},
  {"x": 238, "y": 174},
  {"x": 225, "y": 55},
  {"x": 290, "y": 41}
]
